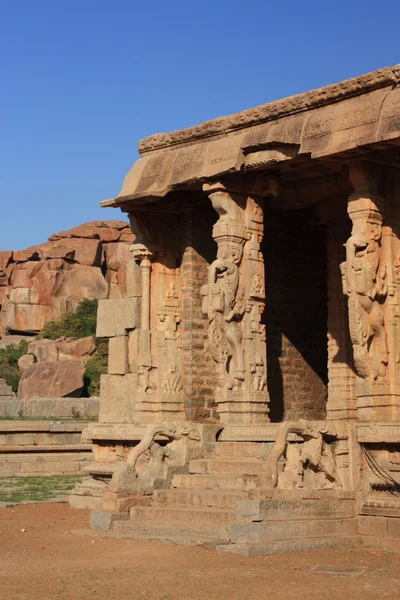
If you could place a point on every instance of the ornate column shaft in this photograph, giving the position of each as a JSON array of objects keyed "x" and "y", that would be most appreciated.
[
  {"x": 367, "y": 271},
  {"x": 234, "y": 300}
]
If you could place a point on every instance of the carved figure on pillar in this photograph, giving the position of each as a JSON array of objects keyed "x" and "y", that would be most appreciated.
[
  {"x": 366, "y": 287},
  {"x": 369, "y": 281},
  {"x": 233, "y": 300},
  {"x": 225, "y": 308}
]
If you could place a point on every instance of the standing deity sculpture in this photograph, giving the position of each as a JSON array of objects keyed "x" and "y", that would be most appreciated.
[
  {"x": 364, "y": 282},
  {"x": 223, "y": 302}
]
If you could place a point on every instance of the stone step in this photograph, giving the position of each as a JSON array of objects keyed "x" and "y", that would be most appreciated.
[
  {"x": 100, "y": 468},
  {"x": 127, "y": 530},
  {"x": 219, "y": 466},
  {"x": 9, "y": 449},
  {"x": 242, "y": 449},
  {"x": 198, "y": 497},
  {"x": 214, "y": 522},
  {"x": 41, "y": 463},
  {"x": 299, "y": 545},
  {"x": 243, "y": 532},
  {"x": 215, "y": 482}
]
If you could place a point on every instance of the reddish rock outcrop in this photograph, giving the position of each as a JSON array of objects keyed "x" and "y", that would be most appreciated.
[
  {"x": 63, "y": 348},
  {"x": 41, "y": 283},
  {"x": 52, "y": 379}
]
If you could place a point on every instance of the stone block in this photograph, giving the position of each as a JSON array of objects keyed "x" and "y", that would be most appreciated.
[
  {"x": 279, "y": 509},
  {"x": 11, "y": 408},
  {"x": 92, "y": 408},
  {"x": 393, "y": 526},
  {"x": 290, "y": 530},
  {"x": 5, "y": 390},
  {"x": 114, "y": 502},
  {"x": 116, "y": 315},
  {"x": 40, "y": 407},
  {"x": 268, "y": 548},
  {"x": 139, "y": 348},
  {"x": 100, "y": 519},
  {"x": 117, "y": 398},
  {"x": 134, "y": 279},
  {"x": 118, "y": 355},
  {"x": 375, "y": 526}
]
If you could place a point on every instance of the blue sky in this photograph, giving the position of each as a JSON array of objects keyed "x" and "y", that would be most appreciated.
[{"x": 84, "y": 80}]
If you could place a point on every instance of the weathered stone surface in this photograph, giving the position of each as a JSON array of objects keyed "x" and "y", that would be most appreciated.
[
  {"x": 115, "y": 317},
  {"x": 52, "y": 380},
  {"x": 82, "y": 281},
  {"x": 7, "y": 340},
  {"x": 5, "y": 390},
  {"x": 117, "y": 255},
  {"x": 121, "y": 389},
  {"x": 5, "y": 259},
  {"x": 43, "y": 282},
  {"x": 25, "y": 255},
  {"x": 46, "y": 408},
  {"x": 118, "y": 355},
  {"x": 63, "y": 348},
  {"x": 100, "y": 519},
  {"x": 26, "y": 361},
  {"x": 80, "y": 250}
]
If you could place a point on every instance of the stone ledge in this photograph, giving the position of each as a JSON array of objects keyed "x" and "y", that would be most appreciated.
[
  {"x": 50, "y": 408},
  {"x": 388, "y": 76},
  {"x": 10, "y": 449},
  {"x": 48, "y": 426},
  {"x": 378, "y": 432}
]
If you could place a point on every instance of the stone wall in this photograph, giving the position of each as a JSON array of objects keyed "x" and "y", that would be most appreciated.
[
  {"x": 46, "y": 408},
  {"x": 43, "y": 448},
  {"x": 198, "y": 251},
  {"x": 295, "y": 315}
]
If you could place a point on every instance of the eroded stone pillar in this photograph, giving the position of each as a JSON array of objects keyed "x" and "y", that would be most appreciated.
[{"x": 234, "y": 300}]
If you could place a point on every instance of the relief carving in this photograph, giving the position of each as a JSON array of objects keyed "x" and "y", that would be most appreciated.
[
  {"x": 311, "y": 463},
  {"x": 364, "y": 282},
  {"x": 233, "y": 301},
  {"x": 172, "y": 380},
  {"x": 224, "y": 305},
  {"x": 259, "y": 375}
]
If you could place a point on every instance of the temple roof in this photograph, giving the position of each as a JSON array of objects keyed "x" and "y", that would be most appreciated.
[{"x": 338, "y": 120}]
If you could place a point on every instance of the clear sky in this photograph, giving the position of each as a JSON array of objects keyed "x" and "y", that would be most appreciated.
[{"x": 83, "y": 80}]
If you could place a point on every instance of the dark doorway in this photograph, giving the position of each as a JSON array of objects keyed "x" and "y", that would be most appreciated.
[{"x": 295, "y": 255}]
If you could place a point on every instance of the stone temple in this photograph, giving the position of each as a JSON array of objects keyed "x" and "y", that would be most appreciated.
[{"x": 252, "y": 399}]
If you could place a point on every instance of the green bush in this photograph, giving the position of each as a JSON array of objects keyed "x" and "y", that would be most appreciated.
[
  {"x": 9, "y": 369},
  {"x": 79, "y": 323},
  {"x": 95, "y": 367}
]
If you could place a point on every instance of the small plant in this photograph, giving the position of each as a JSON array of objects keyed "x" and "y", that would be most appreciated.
[
  {"x": 80, "y": 323},
  {"x": 9, "y": 369},
  {"x": 95, "y": 367}
]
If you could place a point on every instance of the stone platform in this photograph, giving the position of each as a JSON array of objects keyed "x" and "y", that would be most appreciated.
[{"x": 43, "y": 448}]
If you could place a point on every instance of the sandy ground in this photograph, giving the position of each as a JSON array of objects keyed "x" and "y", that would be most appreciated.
[{"x": 41, "y": 559}]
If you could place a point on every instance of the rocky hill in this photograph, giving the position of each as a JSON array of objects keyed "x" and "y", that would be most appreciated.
[{"x": 43, "y": 282}]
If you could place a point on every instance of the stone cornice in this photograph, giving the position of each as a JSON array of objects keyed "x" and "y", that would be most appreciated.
[{"x": 389, "y": 76}]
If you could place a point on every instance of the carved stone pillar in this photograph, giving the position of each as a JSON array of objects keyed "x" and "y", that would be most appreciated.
[
  {"x": 234, "y": 300},
  {"x": 154, "y": 348},
  {"x": 367, "y": 274}
]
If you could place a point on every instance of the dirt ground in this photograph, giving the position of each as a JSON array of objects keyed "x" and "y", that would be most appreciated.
[{"x": 41, "y": 559}]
